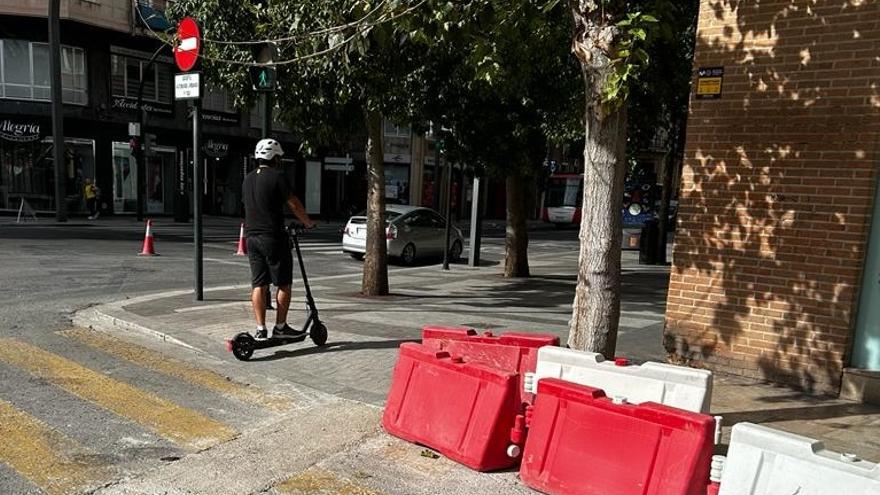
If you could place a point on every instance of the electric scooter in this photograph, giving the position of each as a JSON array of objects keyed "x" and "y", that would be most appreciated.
[{"x": 243, "y": 345}]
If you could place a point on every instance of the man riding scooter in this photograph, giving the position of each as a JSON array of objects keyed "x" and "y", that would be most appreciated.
[{"x": 266, "y": 191}]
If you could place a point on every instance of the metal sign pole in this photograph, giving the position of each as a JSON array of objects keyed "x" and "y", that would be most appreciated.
[
  {"x": 197, "y": 199},
  {"x": 448, "y": 214},
  {"x": 476, "y": 224}
]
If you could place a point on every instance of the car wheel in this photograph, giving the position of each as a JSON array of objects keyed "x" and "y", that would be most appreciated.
[
  {"x": 455, "y": 251},
  {"x": 357, "y": 256},
  {"x": 408, "y": 255}
]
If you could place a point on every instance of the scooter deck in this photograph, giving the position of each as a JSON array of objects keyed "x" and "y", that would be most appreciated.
[{"x": 276, "y": 341}]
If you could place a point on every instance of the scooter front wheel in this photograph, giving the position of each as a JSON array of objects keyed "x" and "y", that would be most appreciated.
[
  {"x": 243, "y": 346},
  {"x": 318, "y": 334}
]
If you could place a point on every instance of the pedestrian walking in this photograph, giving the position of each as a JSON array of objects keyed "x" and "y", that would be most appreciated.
[
  {"x": 266, "y": 191},
  {"x": 90, "y": 193}
]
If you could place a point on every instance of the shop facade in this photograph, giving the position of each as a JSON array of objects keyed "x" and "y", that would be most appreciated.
[{"x": 101, "y": 74}]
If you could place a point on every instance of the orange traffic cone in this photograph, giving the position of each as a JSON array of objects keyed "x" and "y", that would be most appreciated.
[
  {"x": 148, "y": 249},
  {"x": 242, "y": 242}
]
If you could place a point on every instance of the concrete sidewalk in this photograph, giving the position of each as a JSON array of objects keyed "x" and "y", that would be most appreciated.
[{"x": 365, "y": 333}]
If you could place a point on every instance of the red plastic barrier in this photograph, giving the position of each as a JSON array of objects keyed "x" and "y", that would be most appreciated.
[
  {"x": 583, "y": 443},
  {"x": 465, "y": 411},
  {"x": 511, "y": 351}
]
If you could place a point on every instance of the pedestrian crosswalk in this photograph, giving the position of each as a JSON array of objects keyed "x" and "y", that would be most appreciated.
[
  {"x": 149, "y": 359},
  {"x": 306, "y": 247},
  {"x": 182, "y": 426},
  {"x": 56, "y": 457},
  {"x": 46, "y": 457}
]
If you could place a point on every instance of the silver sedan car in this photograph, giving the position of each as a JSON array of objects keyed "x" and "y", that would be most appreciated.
[{"x": 412, "y": 232}]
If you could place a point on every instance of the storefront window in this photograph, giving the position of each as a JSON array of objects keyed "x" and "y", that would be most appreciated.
[
  {"x": 124, "y": 178},
  {"x": 27, "y": 171},
  {"x": 397, "y": 184},
  {"x": 24, "y": 72},
  {"x": 218, "y": 100},
  {"x": 159, "y": 174},
  {"x": 126, "y": 73},
  {"x": 396, "y": 130}
]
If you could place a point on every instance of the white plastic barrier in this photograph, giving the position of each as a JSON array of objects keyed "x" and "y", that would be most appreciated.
[
  {"x": 764, "y": 461},
  {"x": 675, "y": 386}
]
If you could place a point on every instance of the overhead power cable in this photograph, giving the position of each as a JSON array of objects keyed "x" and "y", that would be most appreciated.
[{"x": 359, "y": 25}]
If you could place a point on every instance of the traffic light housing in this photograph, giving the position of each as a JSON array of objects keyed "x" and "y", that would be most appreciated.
[{"x": 263, "y": 78}]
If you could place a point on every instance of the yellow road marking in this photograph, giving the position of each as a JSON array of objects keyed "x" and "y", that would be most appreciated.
[
  {"x": 152, "y": 360},
  {"x": 178, "y": 424},
  {"x": 317, "y": 482},
  {"x": 44, "y": 456}
]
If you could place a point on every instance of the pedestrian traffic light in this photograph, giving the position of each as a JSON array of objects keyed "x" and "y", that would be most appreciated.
[{"x": 263, "y": 78}]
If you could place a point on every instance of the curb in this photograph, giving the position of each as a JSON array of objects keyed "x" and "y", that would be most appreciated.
[{"x": 95, "y": 319}]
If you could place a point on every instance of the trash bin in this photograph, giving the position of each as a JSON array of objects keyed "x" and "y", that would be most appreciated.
[{"x": 648, "y": 243}]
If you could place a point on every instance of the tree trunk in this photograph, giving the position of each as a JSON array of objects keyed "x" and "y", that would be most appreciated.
[
  {"x": 596, "y": 307},
  {"x": 375, "y": 282},
  {"x": 516, "y": 242}
]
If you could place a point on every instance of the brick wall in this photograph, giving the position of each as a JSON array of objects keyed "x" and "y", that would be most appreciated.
[{"x": 777, "y": 190}]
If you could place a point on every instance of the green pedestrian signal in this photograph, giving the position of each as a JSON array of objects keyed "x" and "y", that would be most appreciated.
[{"x": 263, "y": 78}]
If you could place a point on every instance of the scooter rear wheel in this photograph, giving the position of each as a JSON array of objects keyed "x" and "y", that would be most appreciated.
[
  {"x": 318, "y": 334},
  {"x": 243, "y": 346}
]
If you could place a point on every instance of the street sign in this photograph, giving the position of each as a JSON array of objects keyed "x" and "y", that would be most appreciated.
[
  {"x": 263, "y": 78},
  {"x": 189, "y": 41},
  {"x": 709, "y": 83},
  {"x": 188, "y": 86},
  {"x": 134, "y": 129}
]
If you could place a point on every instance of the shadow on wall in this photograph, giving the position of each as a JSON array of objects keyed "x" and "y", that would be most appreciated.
[{"x": 777, "y": 190}]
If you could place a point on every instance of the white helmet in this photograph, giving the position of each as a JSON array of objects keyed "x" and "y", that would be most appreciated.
[{"x": 267, "y": 149}]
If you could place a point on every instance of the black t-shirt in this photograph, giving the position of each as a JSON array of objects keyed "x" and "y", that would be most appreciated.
[{"x": 266, "y": 191}]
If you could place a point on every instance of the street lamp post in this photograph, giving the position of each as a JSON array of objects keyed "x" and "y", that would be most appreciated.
[
  {"x": 57, "y": 111},
  {"x": 140, "y": 160}
]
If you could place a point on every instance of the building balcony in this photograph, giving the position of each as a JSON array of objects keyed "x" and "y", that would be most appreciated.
[{"x": 116, "y": 15}]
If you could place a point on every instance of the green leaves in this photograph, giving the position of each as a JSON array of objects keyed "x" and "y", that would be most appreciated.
[{"x": 629, "y": 56}]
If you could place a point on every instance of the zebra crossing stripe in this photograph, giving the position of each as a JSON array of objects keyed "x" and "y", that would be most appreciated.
[
  {"x": 150, "y": 359},
  {"x": 48, "y": 459},
  {"x": 180, "y": 425}
]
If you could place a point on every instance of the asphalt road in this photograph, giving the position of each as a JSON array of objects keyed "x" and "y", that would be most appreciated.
[{"x": 81, "y": 403}]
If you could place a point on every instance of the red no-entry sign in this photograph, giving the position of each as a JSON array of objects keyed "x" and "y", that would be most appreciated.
[{"x": 189, "y": 42}]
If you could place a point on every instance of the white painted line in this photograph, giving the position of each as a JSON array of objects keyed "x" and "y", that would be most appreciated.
[
  {"x": 189, "y": 309},
  {"x": 188, "y": 44},
  {"x": 227, "y": 262}
]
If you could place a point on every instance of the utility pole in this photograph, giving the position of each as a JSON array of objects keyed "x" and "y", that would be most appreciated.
[
  {"x": 476, "y": 223},
  {"x": 139, "y": 155},
  {"x": 266, "y": 128},
  {"x": 448, "y": 214},
  {"x": 435, "y": 199},
  {"x": 189, "y": 86},
  {"x": 198, "y": 173},
  {"x": 263, "y": 80},
  {"x": 57, "y": 111},
  {"x": 266, "y": 124}
]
